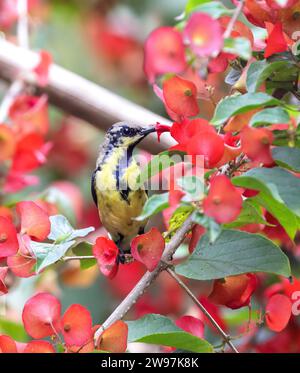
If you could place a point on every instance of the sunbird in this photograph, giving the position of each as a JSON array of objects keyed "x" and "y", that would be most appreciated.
[{"x": 115, "y": 191}]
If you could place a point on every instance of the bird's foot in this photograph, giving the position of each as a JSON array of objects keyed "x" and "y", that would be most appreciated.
[{"x": 124, "y": 257}]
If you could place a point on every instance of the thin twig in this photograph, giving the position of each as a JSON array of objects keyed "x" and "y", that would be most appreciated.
[
  {"x": 79, "y": 97},
  {"x": 23, "y": 41},
  {"x": 22, "y": 26},
  {"x": 147, "y": 279},
  {"x": 67, "y": 258},
  {"x": 225, "y": 336},
  {"x": 233, "y": 20}
]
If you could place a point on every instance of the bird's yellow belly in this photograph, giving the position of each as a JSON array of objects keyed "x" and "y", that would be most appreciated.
[{"x": 117, "y": 215}]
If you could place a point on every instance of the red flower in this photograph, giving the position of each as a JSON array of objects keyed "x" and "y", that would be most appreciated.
[
  {"x": 276, "y": 42},
  {"x": 191, "y": 325},
  {"x": 8, "y": 13},
  {"x": 278, "y": 312},
  {"x": 16, "y": 181},
  {"x": 30, "y": 153},
  {"x": 198, "y": 137},
  {"x": 164, "y": 53},
  {"x": 8, "y": 238},
  {"x": 114, "y": 339},
  {"x": 38, "y": 347},
  {"x": 34, "y": 220},
  {"x": 3, "y": 273},
  {"x": 106, "y": 253},
  {"x": 181, "y": 96},
  {"x": 234, "y": 291},
  {"x": 7, "y": 143},
  {"x": 256, "y": 144},
  {"x": 41, "y": 315},
  {"x": 77, "y": 325},
  {"x": 22, "y": 264},
  {"x": 42, "y": 68},
  {"x": 7, "y": 344},
  {"x": 204, "y": 34},
  {"x": 30, "y": 114},
  {"x": 197, "y": 232},
  {"x": 148, "y": 248},
  {"x": 224, "y": 202}
]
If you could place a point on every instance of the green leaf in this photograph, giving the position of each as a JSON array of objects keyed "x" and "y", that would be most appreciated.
[
  {"x": 13, "y": 329},
  {"x": 213, "y": 229},
  {"x": 239, "y": 46},
  {"x": 48, "y": 253},
  {"x": 85, "y": 249},
  {"x": 281, "y": 184},
  {"x": 275, "y": 115},
  {"x": 158, "y": 163},
  {"x": 233, "y": 253},
  {"x": 154, "y": 205},
  {"x": 287, "y": 157},
  {"x": 192, "y": 4},
  {"x": 278, "y": 194},
  {"x": 238, "y": 104},
  {"x": 251, "y": 214},
  {"x": 159, "y": 330},
  {"x": 62, "y": 230},
  {"x": 260, "y": 71},
  {"x": 214, "y": 9}
]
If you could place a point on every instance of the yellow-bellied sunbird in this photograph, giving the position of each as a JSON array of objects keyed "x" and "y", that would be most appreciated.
[{"x": 113, "y": 184}]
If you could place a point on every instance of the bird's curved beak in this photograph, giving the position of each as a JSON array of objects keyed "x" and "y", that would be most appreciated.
[{"x": 149, "y": 129}]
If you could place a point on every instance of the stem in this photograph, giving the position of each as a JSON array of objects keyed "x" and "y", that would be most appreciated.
[
  {"x": 226, "y": 337},
  {"x": 233, "y": 20},
  {"x": 66, "y": 258},
  {"x": 147, "y": 279},
  {"x": 23, "y": 40},
  {"x": 22, "y": 27}
]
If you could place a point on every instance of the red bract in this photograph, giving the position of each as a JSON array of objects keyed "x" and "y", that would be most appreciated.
[
  {"x": 22, "y": 264},
  {"x": 38, "y": 347},
  {"x": 34, "y": 220},
  {"x": 281, "y": 4},
  {"x": 16, "y": 181},
  {"x": 8, "y": 238},
  {"x": 278, "y": 312},
  {"x": 184, "y": 131},
  {"x": 77, "y": 325},
  {"x": 256, "y": 144},
  {"x": 42, "y": 69},
  {"x": 191, "y": 325},
  {"x": 209, "y": 145},
  {"x": 181, "y": 96},
  {"x": 106, "y": 253},
  {"x": 276, "y": 42},
  {"x": 204, "y": 34},
  {"x": 41, "y": 315},
  {"x": 234, "y": 291},
  {"x": 7, "y": 143},
  {"x": 30, "y": 114},
  {"x": 164, "y": 53},
  {"x": 114, "y": 339},
  {"x": 198, "y": 137},
  {"x": 3, "y": 273},
  {"x": 8, "y": 13},
  {"x": 197, "y": 232},
  {"x": 6, "y": 212},
  {"x": 148, "y": 248},
  {"x": 7, "y": 344},
  {"x": 224, "y": 202},
  {"x": 30, "y": 153}
]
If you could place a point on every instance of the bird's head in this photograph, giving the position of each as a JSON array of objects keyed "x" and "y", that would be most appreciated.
[{"x": 128, "y": 134}]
